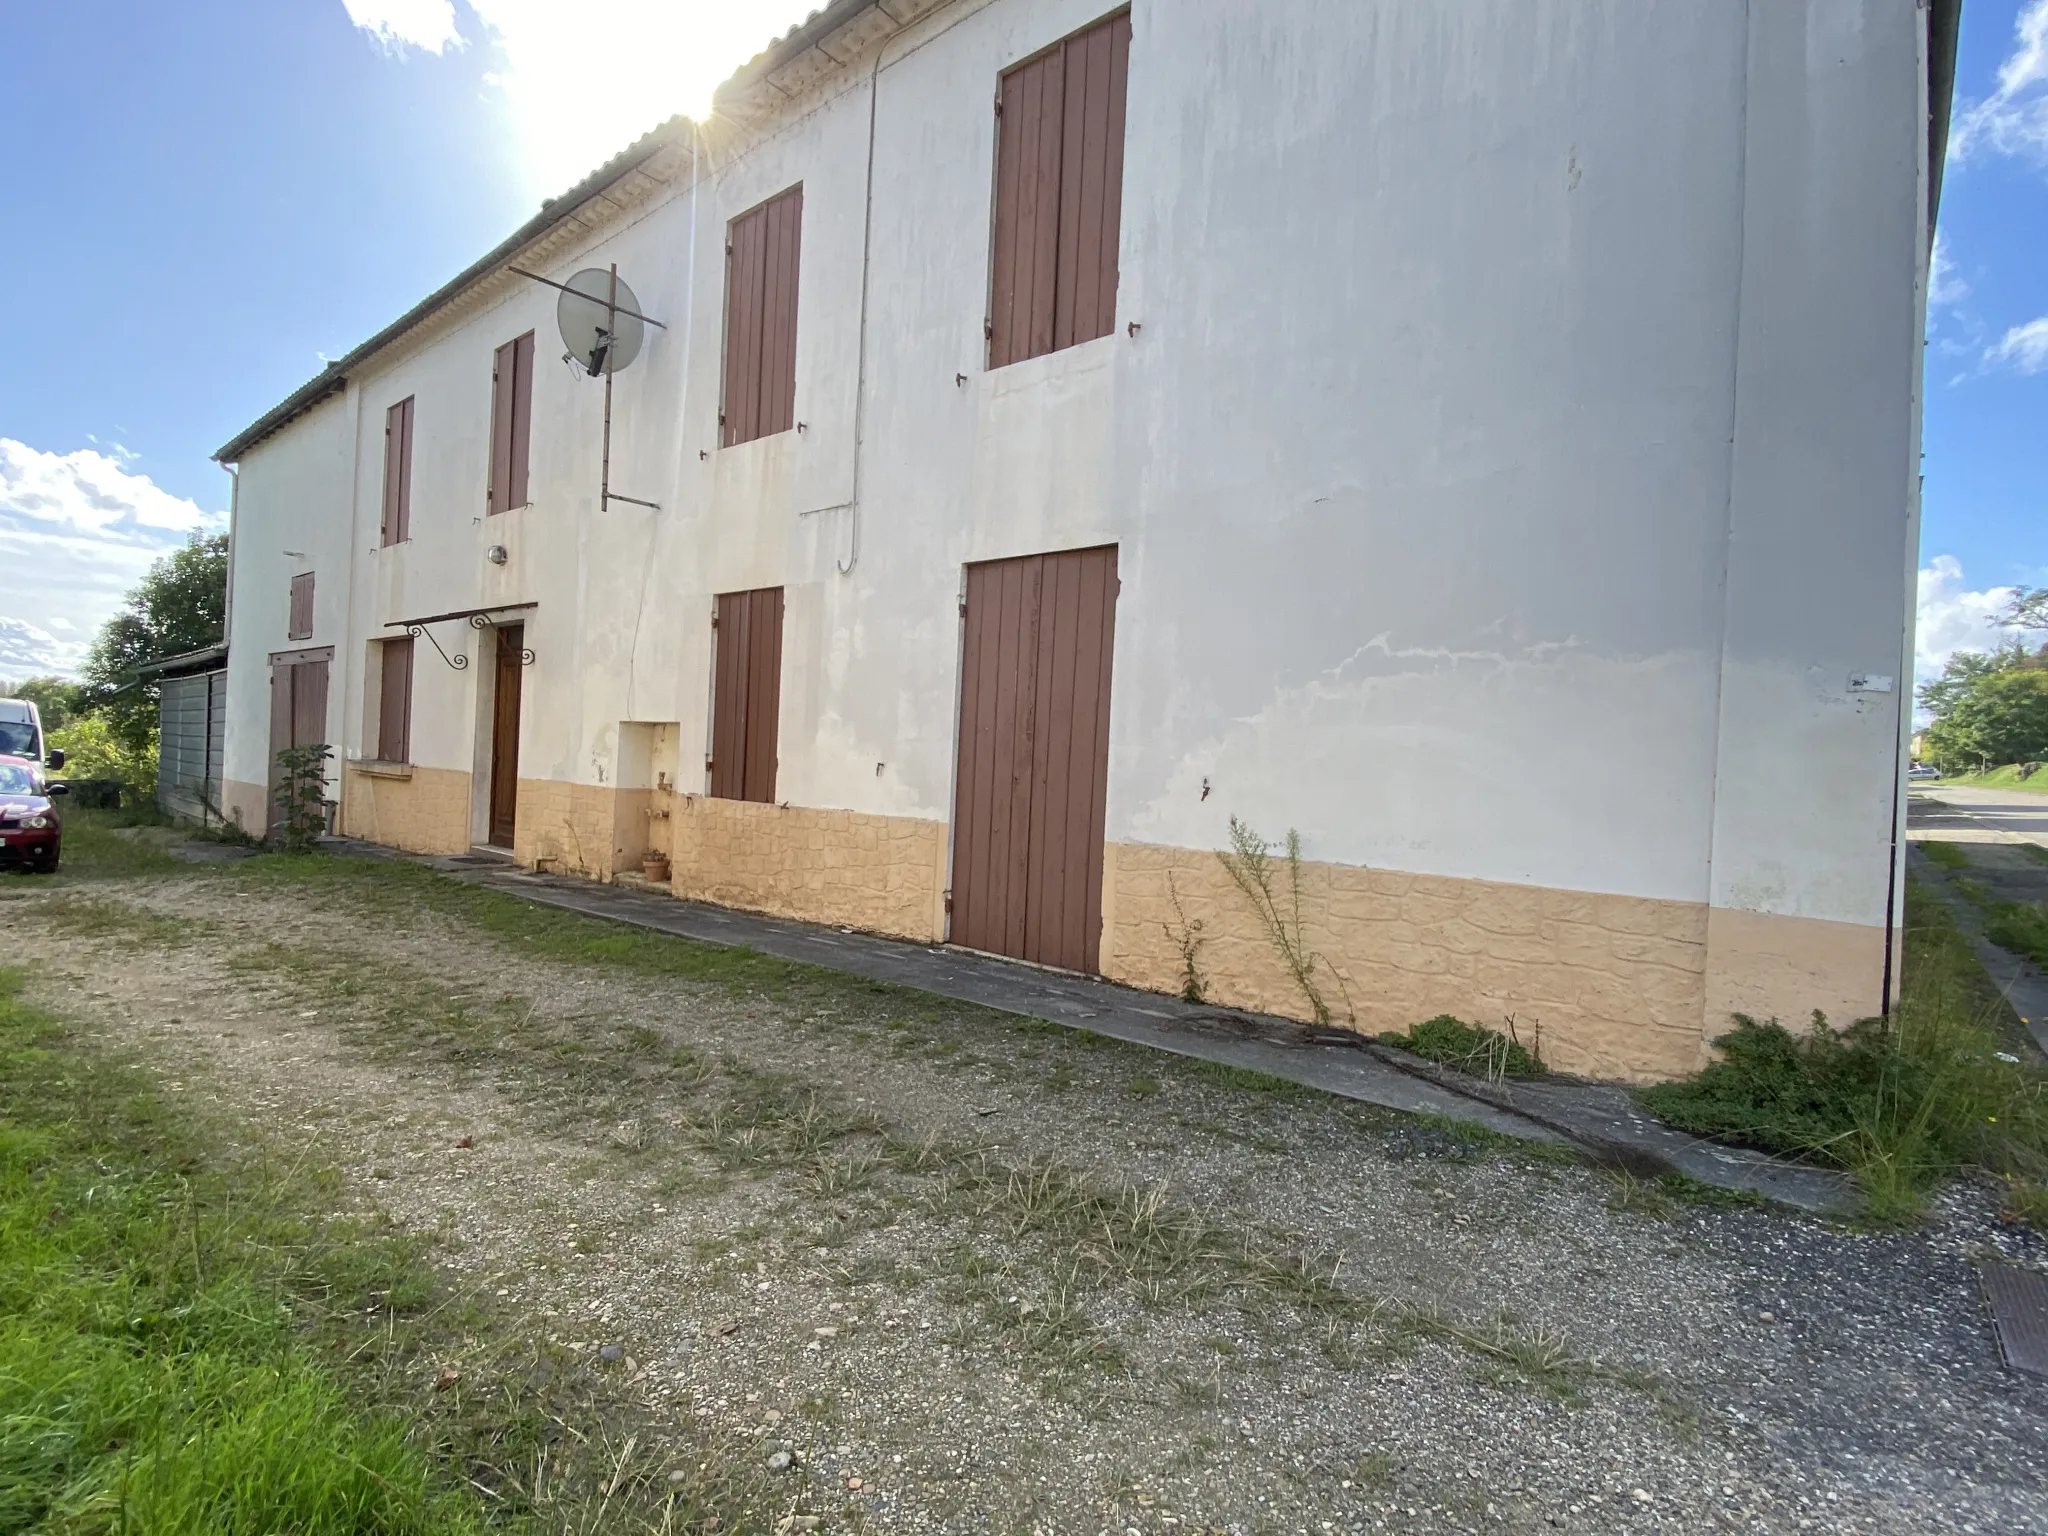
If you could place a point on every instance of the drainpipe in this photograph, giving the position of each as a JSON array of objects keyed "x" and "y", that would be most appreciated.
[{"x": 851, "y": 506}]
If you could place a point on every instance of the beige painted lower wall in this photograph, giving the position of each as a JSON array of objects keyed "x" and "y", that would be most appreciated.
[
  {"x": 885, "y": 874},
  {"x": 882, "y": 873},
  {"x": 425, "y": 811},
  {"x": 246, "y": 805},
  {"x": 571, "y": 828},
  {"x": 1786, "y": 967},
  {"x": 1614, "y": 984}
]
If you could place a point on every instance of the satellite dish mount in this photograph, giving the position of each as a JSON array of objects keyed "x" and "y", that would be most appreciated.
[{"x": 602, "y": 327}]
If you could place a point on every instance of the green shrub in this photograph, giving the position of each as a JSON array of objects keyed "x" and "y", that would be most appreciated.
[
  {"x": 1900, "y": 1103},
  {"x": 93, "y": 751},
  {"x": 1467, "y": 1047}
]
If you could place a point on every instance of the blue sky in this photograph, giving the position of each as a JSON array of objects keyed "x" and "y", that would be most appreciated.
[{"x": 211, "y": 196}]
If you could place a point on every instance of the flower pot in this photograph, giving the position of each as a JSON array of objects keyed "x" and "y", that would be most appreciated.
[{"x": 655, "y": 866}]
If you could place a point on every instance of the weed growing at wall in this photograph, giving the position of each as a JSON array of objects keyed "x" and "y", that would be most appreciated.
[
  {"x": 1489, "y": 1053},
  {"x": 1899, "y": 1103},
  {"x": 302, "y": 795},
  {"x": 1186, "y": 937},
  {"x": 1249, "y": 863}
]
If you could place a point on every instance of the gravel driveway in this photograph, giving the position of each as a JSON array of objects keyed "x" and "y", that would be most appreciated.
[{"x": 937, "y": 1269}]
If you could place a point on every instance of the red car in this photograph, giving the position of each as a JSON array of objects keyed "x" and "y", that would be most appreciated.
[{"x": 31, "y": 831}]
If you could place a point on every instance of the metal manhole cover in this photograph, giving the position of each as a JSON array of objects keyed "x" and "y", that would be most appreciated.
[{"x": 2019, "y": 1308}]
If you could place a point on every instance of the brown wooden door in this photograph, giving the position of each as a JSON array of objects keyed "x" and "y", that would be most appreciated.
[
  {"x": 746, "y": 695},
  {"x": 505, "y": 735},
  {"x": 1033, "y": 772},
  {"x": 298, "y": 716}
]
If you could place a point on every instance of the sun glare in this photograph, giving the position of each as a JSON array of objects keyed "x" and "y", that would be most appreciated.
[{"x": 585, "y": 79}]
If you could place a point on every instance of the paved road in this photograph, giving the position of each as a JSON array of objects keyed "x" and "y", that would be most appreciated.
[{"x": 1964, "y": 815}]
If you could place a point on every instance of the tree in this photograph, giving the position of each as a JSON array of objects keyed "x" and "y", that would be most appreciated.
[
  {"x": 2027, "y": 610},
  {"x": 2001, "y": 718},
  {"x": 1965, "y": 670},
  {"x": 181, "y": 605},
  {"x": 55, "y": 700}
]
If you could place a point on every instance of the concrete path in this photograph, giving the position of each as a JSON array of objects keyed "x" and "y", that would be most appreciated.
[
  {"x": 1599, "y": 1119},
  {"x": 1960, "y": 814},
  {"x": 1993, "y": 836}
]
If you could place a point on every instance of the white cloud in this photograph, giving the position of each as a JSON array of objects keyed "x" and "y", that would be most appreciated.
[
  {"x": 2012, "y": 120},
  {"x": 1949, "y": 619},
  {"x": 398, "y": 24},
  {"x": 1943, "y": 286},
  {"x": 2024, "y": 348},
  {"x": 584, "y": 80},
  {"x": 27, "y": 651},
  {"x": 77, "y": 531}
]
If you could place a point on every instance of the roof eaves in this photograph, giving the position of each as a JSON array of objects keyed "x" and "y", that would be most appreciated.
[
  {"x": 184, "y": 661},
  {"x": 752, "y": 79},
  {"x": 554, "y": 211}
]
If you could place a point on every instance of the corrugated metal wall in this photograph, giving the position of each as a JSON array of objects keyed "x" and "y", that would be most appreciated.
[
  {"x": 761, "y": 260},
  {"x": 746, "y": 702},
  {"x": 1030, "y": 801},
  {"x": 192, "y": 717},
  {"x": 1059, "y": 195}
]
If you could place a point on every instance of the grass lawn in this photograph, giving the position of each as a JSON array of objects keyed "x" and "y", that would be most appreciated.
[
  {"x": 161, "y": 1320},
  {"x": 2007, "y": 777},
  {"x": 192, "y": 1344}
]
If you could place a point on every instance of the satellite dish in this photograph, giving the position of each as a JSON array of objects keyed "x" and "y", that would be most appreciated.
[{"x": 601, "y": 337}]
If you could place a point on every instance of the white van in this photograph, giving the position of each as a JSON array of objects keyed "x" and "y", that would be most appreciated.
[{"x": 21, "y": 734}]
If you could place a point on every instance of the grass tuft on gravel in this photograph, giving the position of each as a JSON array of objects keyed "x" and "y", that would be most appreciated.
[
  {"x": 1901, "y": 1103},
  {"x": 154, "y": 1375},
  {"x": 1451, "y": 1042},
  {"x": 1946, "y": 855},
  {"x": 2020, "y": 926}
]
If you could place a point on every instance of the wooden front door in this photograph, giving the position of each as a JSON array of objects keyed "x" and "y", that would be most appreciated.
[
  {"x": 1033, "y": 772},
  {"x": 298, "y": 714},
  {"x": 505, "y": 734}
]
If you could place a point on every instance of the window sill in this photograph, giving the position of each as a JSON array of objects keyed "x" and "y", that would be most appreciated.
[{"x": 372, "y": 768}]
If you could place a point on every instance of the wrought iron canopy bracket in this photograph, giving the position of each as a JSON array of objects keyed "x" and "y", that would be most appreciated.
[
  {"x": 479, "y": 618},
  {"x": 479, "y": 621},
  {"x": 459, "y": 661}
]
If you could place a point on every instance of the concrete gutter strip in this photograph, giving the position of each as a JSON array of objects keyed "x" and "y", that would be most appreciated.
[{"x": 1598, "y": 1119}]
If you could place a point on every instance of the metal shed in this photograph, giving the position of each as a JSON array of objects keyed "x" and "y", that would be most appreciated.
[{"x": 192, "y": 730}]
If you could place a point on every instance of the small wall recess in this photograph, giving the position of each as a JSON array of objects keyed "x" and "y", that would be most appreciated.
[{"x": 497, "y": 554}]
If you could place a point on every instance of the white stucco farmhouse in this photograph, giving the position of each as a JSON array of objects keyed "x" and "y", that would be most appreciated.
[{"x": 1482, "y": 438}]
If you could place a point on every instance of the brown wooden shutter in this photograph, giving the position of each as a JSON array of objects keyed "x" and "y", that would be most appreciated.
[
  {"x": 394, "y": 702},
  {"x": 762, "y": 263},
  {"x": 397, "y": 527},
  {"x": 309, "y": 703},
  {"x": 299, "y": 625},
  {"x": 746, "y": 695},
  {"x": 1030, "y": 802},
  {"x": 1059, "y": 195},
  {"x": 522, "y": 418},
  {"x": 511, "y": 424}
]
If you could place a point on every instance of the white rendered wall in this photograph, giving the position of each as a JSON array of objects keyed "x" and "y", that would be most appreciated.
[
  {"x": 291, "y": 515},
  {"x": 1513, "y": 442}
]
